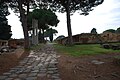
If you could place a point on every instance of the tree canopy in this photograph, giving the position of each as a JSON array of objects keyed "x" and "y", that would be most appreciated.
[
  {"x": 49, "y": 33},
  {"x": 5, "y": 29},
  {"x": 93, "y": 31},
  {"x": 113, "y": 30},
  {"x": 45, "y": 18},
  {"x": 85, "y": 6},
  {"x": 110, "y": 30},
  {"x": 118, "y": 30},
  {"x": 60, "y": 37}
]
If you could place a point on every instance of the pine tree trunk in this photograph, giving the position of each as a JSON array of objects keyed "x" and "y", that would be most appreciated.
[
  {"x": 70, "y": 41},
  {"x": 23, "y": 19}
]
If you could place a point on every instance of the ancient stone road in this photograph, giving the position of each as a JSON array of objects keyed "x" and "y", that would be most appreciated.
[{"x": 39, "y": 65}]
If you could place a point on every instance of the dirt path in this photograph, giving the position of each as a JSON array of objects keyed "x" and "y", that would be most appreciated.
[
  {"x": 11, "y": 59},
  {"x": 97, "y": 67}
]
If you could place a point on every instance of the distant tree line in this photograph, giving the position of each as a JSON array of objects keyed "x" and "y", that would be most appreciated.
[
  {"x": 113, "y": 30},
  {"x": 94, "y": 31}
]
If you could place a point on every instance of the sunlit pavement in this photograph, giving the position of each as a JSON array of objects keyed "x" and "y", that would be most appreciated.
[{"x": 39, "y": 65}]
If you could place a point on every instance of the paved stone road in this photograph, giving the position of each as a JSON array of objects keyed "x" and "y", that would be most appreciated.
[{"x": 39, "y": 65}]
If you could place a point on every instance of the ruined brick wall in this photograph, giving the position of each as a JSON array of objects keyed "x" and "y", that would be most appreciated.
[
  {"x": 93, "y": 38},
  {"x": 110, "y": 37},
  {"x": 12, "y": 43}
]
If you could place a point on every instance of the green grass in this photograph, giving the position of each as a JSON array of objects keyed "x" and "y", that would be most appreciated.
[
  {"x": 78, "y": 50},
  {"x": 36, "y": 47}
]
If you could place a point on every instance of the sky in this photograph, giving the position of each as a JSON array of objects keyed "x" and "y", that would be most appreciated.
[{"x": 103, "y": 17}]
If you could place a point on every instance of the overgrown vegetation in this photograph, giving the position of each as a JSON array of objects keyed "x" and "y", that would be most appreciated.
[
  {"x": 78, "y": 50},
  {"x": 5, "y": 29}
]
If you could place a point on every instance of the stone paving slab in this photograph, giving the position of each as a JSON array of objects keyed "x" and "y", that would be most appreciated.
[{"x": 39, "y": 65}]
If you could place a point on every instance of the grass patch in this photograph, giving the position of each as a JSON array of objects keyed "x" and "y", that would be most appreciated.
[{"x": 78, "y": 50}]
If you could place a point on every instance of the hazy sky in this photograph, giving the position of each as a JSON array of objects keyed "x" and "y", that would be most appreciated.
[{"x": 103, "y": 17}]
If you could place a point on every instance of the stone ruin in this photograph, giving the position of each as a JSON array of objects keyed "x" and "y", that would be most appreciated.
[{"x": 7, "y": 45}]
